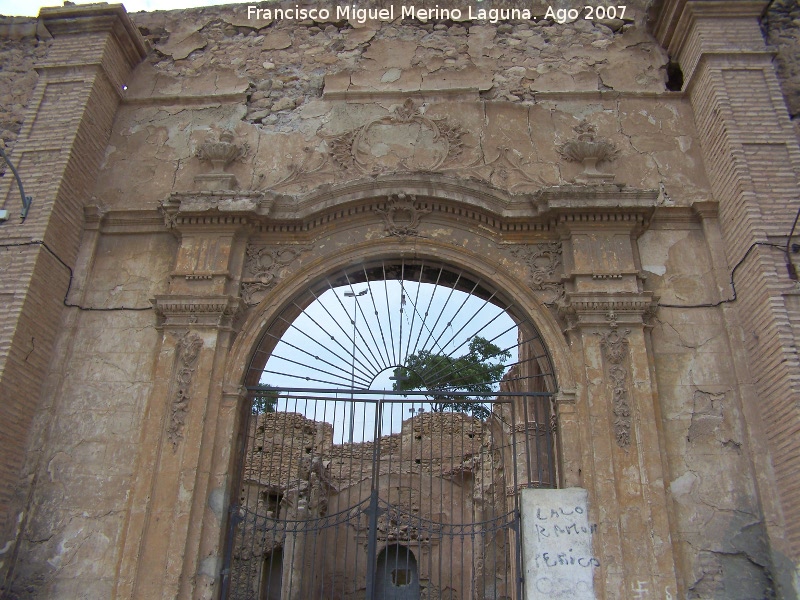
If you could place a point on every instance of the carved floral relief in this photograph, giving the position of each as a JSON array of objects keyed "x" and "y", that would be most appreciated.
[
  {"x": 262, "y": 268},
  {"x": 589, "y": 149},
  {"x": 220, "y": 152},
  {"x": 543, "y": 261},
  {"x": 188, "y": 352},
  {"x": 615, "y": 349}
]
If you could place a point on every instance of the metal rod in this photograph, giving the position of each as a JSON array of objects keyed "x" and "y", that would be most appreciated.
[
  {"x": 26, "y": 200},
  {"x": 290, "y": 390},
  {"x": 355, "y": 296}
]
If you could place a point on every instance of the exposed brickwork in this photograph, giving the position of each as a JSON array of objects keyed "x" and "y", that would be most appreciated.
[
  {"x": 59, "y": 150},
  {"x": 753, "y": 160}
]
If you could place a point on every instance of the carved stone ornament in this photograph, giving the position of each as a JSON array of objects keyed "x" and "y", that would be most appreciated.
[
  {"x": 411, "y": 140},
  {"x": 210, "y": 207},
  {"x": 262, "y": 268},
  {"x": 402, "y": 215},
  {"x": 615, "y": 349},
  {"x": 543, "y": 261},
  {"x": 179, "y": 312},
  {"x": 220, "y": 152},
  {"x": 406, "y": 140},
  {"x": 187, "y": 353},
  {"x": 590, "y": 150}
]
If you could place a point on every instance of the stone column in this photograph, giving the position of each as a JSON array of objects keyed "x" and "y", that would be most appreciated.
[
  {"x": 753, "y": 161},
  {"x": 606, "y": 311},
  {"x": 58, "y": 154}
]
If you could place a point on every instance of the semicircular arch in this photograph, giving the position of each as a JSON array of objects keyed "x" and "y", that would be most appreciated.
[{"x": 295, "y": 287}]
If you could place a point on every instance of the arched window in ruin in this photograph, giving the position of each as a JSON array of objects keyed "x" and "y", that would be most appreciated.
[{"x": 397, "y": 404}]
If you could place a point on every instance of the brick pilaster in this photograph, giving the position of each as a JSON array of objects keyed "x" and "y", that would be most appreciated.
[
  {"x": 58, "y": 154},
  {"x": 753, "y": 162}
]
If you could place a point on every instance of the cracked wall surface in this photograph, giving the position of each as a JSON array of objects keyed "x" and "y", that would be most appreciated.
[{"x": 315, "y": 105}]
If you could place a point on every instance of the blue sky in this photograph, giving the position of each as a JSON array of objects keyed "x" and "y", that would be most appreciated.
[{"x": 31, "y": 8}]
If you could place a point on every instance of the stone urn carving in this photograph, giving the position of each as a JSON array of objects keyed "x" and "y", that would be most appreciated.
[
  {"x": 220, "y": 153},
  {"x": 590, "y": 150}
]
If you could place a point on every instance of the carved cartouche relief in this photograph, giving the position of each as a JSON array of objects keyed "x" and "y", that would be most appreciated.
[
  {"x": 402, "y": 215},
  {"x": 262, "y": 268},
  {"x": 406, "y": 140},
  {"x": 187, "y": 352},
  {"x": 409, "y": 139}
]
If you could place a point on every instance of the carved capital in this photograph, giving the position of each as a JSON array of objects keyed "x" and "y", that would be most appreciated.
[
  {"x": 217, "y": 312},
  {"x": 583, "y": 309}
]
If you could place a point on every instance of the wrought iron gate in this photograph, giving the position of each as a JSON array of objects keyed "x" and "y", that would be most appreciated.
[
  {"x": 397, "y": 409},
  {"x": 428, "y": 510}
]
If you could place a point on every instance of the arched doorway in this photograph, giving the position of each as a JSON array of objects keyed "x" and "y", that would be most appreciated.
[
  {"x": 397, "y": 403},
  {"x": 396, "y": 575}
]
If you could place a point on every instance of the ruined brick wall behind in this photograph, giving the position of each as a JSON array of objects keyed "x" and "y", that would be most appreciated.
[
  {"x": 20, "y": 48},
  {"x": 781, "y": 25}
]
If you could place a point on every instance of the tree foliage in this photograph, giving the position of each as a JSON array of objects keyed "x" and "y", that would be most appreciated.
[
  {"x": 478, "y": 371},
  {"x": 264, "y": 401}
]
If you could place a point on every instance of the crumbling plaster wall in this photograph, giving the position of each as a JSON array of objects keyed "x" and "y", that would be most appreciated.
[
  {"x": 719, "y": 533},
  {"x": 87, "y": 434},
  {"x": 266, "y": 81},
  {"x": 781, "y": 25},
  {"x": 22, "y": 43}
]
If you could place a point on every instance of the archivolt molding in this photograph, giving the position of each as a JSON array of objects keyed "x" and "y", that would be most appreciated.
[{"x": 297, "y": 281}]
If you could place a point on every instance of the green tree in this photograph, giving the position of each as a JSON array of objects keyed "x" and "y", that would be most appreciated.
[
  {"x": 264, "y": 401},
  {"x": 476, "y": 372}
]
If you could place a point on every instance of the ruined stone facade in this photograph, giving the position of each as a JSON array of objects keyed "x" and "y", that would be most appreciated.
[{"x": 630, "y": 183}]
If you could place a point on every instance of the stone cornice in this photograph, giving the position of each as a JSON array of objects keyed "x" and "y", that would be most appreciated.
[
  {"x": 507, "y": 214},
  {"x": 226, "y": 208},
  {"x": 587, "y": 309},
  {"x": 596, "y": 206},
  {"x": 675, "y": 17},
  {"x": 194, "y": 312},
  {"x": 72, "y": 20}
]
